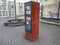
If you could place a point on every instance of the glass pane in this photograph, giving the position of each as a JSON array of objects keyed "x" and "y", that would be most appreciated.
[{"x": 3, "y": 12}]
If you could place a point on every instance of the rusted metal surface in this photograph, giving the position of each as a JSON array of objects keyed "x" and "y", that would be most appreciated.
[{"x": 35, "y": 11}]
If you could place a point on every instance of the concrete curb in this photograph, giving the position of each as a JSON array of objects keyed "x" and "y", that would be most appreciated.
[{"x": 52, "y": 23}]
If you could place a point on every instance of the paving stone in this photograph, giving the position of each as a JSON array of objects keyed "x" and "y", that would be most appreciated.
[{"x": 48, "y": 35}]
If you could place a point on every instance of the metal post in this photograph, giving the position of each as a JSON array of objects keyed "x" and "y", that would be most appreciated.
[
  {"x": 15, "y": 7},
  {"x": 9, "y": 9},
  {"x": 58, "y": 11},
  {"x": 41, "y": 11}
]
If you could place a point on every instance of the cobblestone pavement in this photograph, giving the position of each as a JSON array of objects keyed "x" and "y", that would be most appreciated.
[{"x": 14, "y": 35}]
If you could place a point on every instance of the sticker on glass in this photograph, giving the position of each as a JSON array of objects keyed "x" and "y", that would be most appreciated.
[
  {"x": 29, "y": 18},
  {"x": 27, "y": 7},
  {"x": 28, "y": 12},
  {"x": 27, "y": 22}
]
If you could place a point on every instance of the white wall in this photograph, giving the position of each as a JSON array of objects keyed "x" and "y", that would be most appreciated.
[{"x": 50, "y": 6}]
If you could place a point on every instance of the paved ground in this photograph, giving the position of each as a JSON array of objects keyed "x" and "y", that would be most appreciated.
[{"x": 48, "y": 35}]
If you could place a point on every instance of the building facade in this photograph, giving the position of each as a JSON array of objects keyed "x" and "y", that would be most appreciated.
[
  {"x": 4, "y": 9},
  {"x": 50, "y": 8},
  {"x": 7, "y": 9}
]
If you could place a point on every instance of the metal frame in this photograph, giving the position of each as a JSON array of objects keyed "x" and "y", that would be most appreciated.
[{"x": 31, "y": 17}]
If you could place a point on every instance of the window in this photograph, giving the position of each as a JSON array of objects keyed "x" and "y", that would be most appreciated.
[{"x": 3, "y": 12}]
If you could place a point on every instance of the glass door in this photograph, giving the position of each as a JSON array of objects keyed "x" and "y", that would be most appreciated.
[{"x": 28, "y": 17}]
